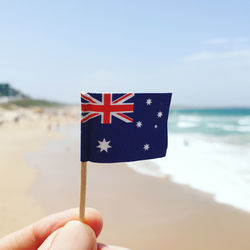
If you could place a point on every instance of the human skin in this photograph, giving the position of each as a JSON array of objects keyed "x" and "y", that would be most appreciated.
[{"x": 59, "y": 231}]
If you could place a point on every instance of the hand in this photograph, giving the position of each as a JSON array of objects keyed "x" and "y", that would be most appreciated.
[{"x": 59, "y": 231}]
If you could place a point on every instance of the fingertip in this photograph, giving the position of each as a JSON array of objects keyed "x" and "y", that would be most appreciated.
[
  {"x": 75, "y": 226},
  {"x": 74, "y": 235},
  {"x": 94, "y": 219},
  {"x": 101, "y": 246},
  {"x": 80, "y": 234}
]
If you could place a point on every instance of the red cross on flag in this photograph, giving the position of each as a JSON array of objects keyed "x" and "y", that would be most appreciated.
[{"x": 107, "y": 108}]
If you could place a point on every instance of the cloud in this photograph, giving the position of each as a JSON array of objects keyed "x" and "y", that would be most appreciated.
[
  {"x": 205, "y": 55},
  {"x": 224, "y": 40},
  {"x": 217, "y": 41},
  {"x": 236, "y": 53},
  {"x": 210, "y": 55}
]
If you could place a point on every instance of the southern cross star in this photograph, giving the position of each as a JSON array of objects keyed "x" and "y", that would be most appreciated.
[
  {"x": 139, "y": 124},
  {"x": 149, "y": 101},
  {"x": 146, "y": 147},
  {"x": 104, "y": 145},
  {"x": 159, "y": 114}
]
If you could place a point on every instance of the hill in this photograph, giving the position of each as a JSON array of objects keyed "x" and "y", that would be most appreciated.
[{"x": 11, "y": 97}]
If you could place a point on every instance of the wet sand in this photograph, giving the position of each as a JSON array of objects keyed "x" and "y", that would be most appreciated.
[{"x": 140, "y": 212}]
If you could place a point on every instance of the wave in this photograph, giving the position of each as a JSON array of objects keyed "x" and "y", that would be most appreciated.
[
  {"x": 244, "y": 121},
  {"x": 187, "y": 125},
  {"x": 230, "y": 128},
  {"x": 190, "y": 118},
  {"x": 205, "y": 164}
]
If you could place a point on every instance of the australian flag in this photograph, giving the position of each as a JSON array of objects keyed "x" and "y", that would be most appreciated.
[{"x": 124, "y": 127}]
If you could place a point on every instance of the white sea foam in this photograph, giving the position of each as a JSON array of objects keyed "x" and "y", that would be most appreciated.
[
  {"x": 183, "y": 124},
  {"x": 185, "y": 121},
  {"x": 236, "y": 128},
  {"x": 213, "y": 125},
  {"x": 190, "y": 118},
  {"x": 231, "y": 128},
  {"x": 205, "y": 164},
  {"x": 244, "y": 121}
]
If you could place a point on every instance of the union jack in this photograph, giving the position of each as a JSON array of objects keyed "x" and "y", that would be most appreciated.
[{"x": 106, "y": 108}]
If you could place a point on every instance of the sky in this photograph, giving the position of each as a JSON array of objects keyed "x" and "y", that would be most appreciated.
[{"x": 198, "y": 50}]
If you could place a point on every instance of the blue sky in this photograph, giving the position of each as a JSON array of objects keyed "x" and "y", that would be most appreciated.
[{"x": 199, "y": 50}]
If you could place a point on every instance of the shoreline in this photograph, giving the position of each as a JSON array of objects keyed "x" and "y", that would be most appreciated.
[
  {"x": 40, "y": 175},
  {"x": 140, "y": 212}
]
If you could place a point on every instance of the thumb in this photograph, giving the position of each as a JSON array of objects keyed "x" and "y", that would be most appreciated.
[{"x": 74, "y": 235}]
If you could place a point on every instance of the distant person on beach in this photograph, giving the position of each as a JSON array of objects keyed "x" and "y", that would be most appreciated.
[
  {"x": 17, "y": 119},
  {"x": 59, "y": 231},
  {"x": 186, "y": 143}
]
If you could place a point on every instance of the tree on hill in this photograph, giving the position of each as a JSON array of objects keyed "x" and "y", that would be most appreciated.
[{"x": 7, "y": 91}]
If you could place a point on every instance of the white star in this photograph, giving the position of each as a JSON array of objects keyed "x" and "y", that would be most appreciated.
[
  {"x": 159, "y": 114},
  {"x": 149, "y": 101},
  {"x": 139, "y": 124},
  {"x": 104, "y": 145},
  {"x": 146, "y": 147},
  {"x": 156, "y": 126}
]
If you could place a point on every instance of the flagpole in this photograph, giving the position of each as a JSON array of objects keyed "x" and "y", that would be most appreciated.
[{"x": 83, "y": 190}]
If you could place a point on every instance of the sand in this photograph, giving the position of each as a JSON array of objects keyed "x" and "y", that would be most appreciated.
[
  {"x": 143, "y": 212},
  {"x": 140, "y": 212},
  {"x": 18, "y": 138}
]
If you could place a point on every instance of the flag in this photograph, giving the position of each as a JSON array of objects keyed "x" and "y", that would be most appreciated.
[{"x": 124, "y": 127}]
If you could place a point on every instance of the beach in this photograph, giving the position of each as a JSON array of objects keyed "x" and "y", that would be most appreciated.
[
  {"x": 23, "y": 131},
  {"x": 40, "y": 175}
]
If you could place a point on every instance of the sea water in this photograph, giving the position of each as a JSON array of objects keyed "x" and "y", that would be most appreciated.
[{"x": 209, "y": 150}]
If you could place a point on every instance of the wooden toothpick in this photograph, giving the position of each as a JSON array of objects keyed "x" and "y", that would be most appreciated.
[{"x": 83, "y": 190}]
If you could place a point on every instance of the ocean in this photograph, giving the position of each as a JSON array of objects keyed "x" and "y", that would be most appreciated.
[{"x": 208, "y": 150}]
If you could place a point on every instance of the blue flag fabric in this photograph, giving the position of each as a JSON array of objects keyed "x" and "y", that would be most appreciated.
[{"x": 124, "y": 127}]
